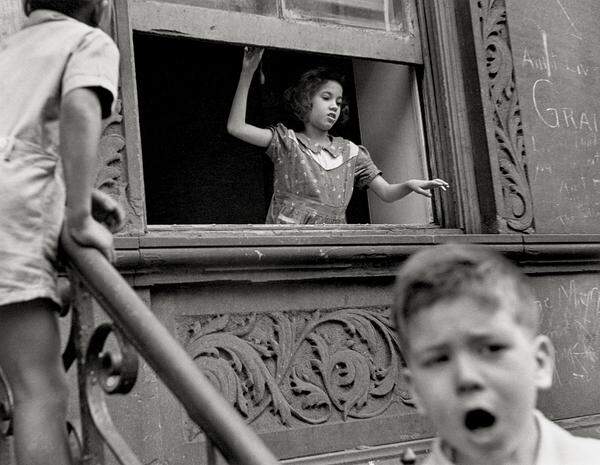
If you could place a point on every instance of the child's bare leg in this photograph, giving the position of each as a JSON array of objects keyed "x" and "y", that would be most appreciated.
[{"x": 30, "y": 358}]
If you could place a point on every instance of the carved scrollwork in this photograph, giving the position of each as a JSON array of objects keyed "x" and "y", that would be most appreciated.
[
  {"x": 309, "y": 368},
  {"x": 111, "y": 177},
  {"x": 510, "y": 147},
  {"x": 75, "y": 443},
  {"x": 110, "y": 154},
  {"x": 109, "y": 372},
  {"x": 114, "y": 371},
  {"x": 6, "y": 407}
]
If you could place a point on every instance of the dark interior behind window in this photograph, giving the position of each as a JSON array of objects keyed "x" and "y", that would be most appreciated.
[{"x": 194, "y": 172}]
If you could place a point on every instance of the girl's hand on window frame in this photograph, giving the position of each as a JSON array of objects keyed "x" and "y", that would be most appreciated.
[{"x": 252, "y": 57}]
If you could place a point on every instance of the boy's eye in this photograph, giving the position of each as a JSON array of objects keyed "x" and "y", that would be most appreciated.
[
  {"x": 489, "y": 349},
  {"x": 435, "y": 360}
]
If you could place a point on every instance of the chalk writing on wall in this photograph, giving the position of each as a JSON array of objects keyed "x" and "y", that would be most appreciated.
[
  {"x": 556, "y": 54},
  {"x": 570, "y": 310}
]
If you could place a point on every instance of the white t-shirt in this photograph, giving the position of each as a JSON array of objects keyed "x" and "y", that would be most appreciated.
[
  {"x": 557, "y": 447},
  {"x": 52, "y": 55}
]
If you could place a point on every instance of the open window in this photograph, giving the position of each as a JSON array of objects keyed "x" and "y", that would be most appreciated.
[
  {"x": 195, "y": 173},
  {"x": 187, "y": 60}
]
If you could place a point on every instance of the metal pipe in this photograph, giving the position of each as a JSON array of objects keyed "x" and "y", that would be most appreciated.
[{"x": 238, "y": 443}]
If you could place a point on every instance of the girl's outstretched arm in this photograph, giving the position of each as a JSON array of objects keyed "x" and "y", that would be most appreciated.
[
  {"x": 236, "y": 124},
  {"x": 392, "y": 192}
]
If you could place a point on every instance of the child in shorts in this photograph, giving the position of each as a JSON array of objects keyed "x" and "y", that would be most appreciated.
[
  {"x": 59, "y": 77},
  {"x": 468, "y": 327}
]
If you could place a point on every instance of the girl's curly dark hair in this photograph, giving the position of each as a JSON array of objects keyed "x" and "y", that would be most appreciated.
[{"x": 298, "y": 97}]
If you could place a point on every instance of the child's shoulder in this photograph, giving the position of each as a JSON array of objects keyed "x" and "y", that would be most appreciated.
[
  {"x": 90, "y": 35},
  {"x": 284, "y": 140},
  {"x": 63, "y": 31},
  {"x": 283, "y": 133}
]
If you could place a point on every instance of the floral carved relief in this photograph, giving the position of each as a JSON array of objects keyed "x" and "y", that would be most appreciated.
[
  {"x": 517, "y": 214},
  {"x": 110, "y": 177},
  {"x": 110, "y": 157},
  {"x": 111, "y": 173},
  {"x": 112, "y": 170},
  {"x": 287, "y": 369}
]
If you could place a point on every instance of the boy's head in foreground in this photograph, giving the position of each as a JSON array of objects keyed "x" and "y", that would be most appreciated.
[
  {"x": 90, "y": 12},
  {"x": 468, "y": 324}
]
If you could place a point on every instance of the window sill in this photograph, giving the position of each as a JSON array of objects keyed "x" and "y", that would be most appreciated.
[{"x": 263, "y": 253}]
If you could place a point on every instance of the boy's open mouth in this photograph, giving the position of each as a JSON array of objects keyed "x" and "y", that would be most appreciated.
[{"x": 479, "y": 419}]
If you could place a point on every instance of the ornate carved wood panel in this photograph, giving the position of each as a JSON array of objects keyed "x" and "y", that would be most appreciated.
[
  {"x": 284, "y": 370},
  {"x": 119, "y": 156},
  {"x": 503, "y": 117}
]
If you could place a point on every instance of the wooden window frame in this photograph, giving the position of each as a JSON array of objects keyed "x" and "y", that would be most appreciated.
[{"x": 435, "y": 47}]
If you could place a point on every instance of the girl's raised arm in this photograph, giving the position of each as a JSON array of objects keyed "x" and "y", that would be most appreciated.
[{"x": 236, "y": 124}]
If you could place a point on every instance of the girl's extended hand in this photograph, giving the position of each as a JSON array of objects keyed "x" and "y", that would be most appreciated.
[
  {"x": 252, "y": 57},
  {"x": 421, "y": 186}
]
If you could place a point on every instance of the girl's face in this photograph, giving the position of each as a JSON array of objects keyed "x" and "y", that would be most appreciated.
[{"x": 325, "y": 106}]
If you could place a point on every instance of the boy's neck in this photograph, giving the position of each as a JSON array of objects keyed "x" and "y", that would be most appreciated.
[{"x": 525, "y": 454}]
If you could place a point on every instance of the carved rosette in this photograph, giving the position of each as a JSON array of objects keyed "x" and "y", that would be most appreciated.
[
  {"x": 517, "y": 212},
  {"x": 281, "y": 369}
]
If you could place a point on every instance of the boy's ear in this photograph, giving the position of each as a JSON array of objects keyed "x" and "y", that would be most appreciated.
[
  {"x": 544, "y": 360},
  {"x": 407, "y": 378}
]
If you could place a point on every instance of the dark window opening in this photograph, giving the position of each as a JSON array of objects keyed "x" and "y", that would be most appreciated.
[{"x": 194, "y": 171}]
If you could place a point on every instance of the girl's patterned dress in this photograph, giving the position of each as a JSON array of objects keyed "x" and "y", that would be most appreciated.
[{"x": 313, "y": 185}]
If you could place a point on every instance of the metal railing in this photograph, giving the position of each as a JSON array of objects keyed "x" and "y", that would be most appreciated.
[
  {"x": 100, "y": 371},
  {"x": 222, "y": 424}
]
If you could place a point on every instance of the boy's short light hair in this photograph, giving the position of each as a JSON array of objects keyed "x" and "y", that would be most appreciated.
[{"x": 447, "y": 272}]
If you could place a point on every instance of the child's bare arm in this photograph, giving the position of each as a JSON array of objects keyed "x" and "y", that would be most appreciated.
[
  {"x": 80, "y": 127},
  {"x": 392, "y": 192},
  {"x": 236, "y": 124}
]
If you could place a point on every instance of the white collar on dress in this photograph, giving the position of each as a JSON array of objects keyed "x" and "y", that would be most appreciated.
[{"x": 327, "y": 157}]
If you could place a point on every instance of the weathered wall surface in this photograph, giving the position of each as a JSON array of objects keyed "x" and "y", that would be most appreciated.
[
  {"x": 313, "y": 365},
  {"x": 557, "y": 69}
]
